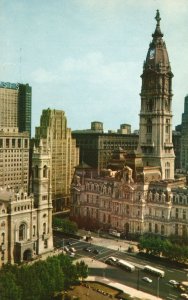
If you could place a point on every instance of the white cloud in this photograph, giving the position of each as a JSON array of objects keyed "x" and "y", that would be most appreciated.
[{"x": 91, "y": 68}]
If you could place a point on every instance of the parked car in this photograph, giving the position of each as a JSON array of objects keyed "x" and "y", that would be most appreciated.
[{"x": 147, "y": 279}]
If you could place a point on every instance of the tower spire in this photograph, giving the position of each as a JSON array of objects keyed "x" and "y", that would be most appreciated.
[
  {"x": 157, "y": 32},
  {"x": 158, "y": 18}
]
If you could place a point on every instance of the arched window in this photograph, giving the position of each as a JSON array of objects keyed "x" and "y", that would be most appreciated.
[
  {"x": 44, "y": 228},
  {"x": 3, "y": 238},
  {"x": 167, "y": 170},
  {"x": 22, "y": 232},
  {"x": 34, "y": 230},
  {"x": 149, "y": 126},
  {"x": 45, "y": 172}
]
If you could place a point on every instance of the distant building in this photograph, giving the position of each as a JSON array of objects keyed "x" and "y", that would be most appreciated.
[
  {"x": 176, "y": 139},
  {"x": 57, "y": 137},
  {"x": 26, "y": 220},
  {"x": 14, "y": 158},
  {"x": 184, "y": 137},
  {"x": 96, "y": 147},
  {"x": 15, "y": 106}
]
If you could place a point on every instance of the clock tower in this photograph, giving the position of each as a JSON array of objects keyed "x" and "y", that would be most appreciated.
[{"x": 155, "y": 138}]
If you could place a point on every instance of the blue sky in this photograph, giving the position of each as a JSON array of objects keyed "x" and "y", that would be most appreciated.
[{"x": 86, "y": 56}]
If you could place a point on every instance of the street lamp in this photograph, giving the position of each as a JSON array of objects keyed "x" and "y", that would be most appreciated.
[
  {"x": 158, "y": 287},
  {"x": 138, "y": 280}
]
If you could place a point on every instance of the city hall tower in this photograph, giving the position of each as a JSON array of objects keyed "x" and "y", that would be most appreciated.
[{"x": 155, "y": 138}]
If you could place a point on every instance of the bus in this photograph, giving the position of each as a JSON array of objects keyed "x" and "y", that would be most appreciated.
[
  {"x": 125, "y": 265},
  {"x": 154, "y": 271}
]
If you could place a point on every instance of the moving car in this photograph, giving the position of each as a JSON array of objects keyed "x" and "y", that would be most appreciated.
[
  {"x": 96, "y": 251},
  {"x": 147, "y": 279},
  {"x": 87, "y": 249},
  {"x": 72, "y": 249},
  {"x": 111, "y": 260},
  {"x": 184, "y": 296},
  {"x": 173, "y": 282}
]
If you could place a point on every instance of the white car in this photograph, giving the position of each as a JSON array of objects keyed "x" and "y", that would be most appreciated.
[
  {"x": 72, "y": 254},
  {"x": 184, "y": 296},
  {"x": 66, "y": 249},
  {"x": 173, "y": 282},
  {"x": 72, "y": 249},
  {"x": 147, "y": 279}
]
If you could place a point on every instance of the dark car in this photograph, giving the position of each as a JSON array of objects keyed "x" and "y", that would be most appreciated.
[
  {"x": 96, "y": 251},
  {"x": 87, "y": 249}
]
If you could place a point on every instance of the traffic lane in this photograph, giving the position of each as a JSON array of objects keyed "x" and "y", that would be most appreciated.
[
  {"x": 170, "y": 273},
  {"x": 133, "y": 280},
  {"x": 179, "y": 275}
]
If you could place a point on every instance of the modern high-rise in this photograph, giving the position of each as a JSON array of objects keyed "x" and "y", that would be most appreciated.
[
  {"x": 155, "y": 138},
  {"x": 55, "y": 135},
  {"x": 15, "y": 106},
  {"x": 184, "y": 137}
]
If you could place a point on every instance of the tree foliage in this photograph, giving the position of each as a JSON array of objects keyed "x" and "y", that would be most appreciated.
[
  {"x": 65, "y": 225},
  {"x": 40, "y": 280},
  {"x": 158, "y": 246}
]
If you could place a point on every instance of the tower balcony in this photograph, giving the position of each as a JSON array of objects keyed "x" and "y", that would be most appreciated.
[
  {"x": 168, "y": 145},
  {"x": 147, "y": 145}
]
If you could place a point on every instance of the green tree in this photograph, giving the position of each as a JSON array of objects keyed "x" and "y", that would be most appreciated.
[
  {"x": 8, "y": 287},
  {"x": 82, "y": 269},
  {"x": 67, "y": 226}
]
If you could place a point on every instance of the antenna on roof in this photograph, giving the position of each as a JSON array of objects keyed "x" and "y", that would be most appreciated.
[{"x": 20, "y": 69}]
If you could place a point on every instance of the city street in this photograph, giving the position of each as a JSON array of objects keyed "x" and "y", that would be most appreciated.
[{"x": 109, "y": 247}]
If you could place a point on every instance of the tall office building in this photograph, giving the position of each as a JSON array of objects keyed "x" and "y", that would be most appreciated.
[
  {"x": 15, "y": 106},
  {"x": 155, "y": 138},
  {"x": 184, "y": 137},
  {"x": 56, "y": 136},
  {"x": 96, "y": 146}
]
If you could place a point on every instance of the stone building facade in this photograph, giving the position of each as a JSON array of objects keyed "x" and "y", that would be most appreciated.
[
  {"x": 116, "y": 201},
  {"x": 57, "y": 137},
  {"x": 26, "y": 220}
]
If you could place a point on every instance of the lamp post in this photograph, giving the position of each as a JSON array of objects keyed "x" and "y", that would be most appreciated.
[
  {"x": 138, "y": 280},
  {"x": 158, "y": 287}
]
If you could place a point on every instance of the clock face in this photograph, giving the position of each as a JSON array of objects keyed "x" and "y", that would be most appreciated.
[{"x": 151, "y": 53}]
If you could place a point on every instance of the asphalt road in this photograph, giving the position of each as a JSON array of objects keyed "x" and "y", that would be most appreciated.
[{"x": 158, "y": 287}]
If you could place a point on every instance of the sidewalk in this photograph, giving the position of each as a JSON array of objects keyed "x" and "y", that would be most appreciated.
[{"x": 129, "y": 290}]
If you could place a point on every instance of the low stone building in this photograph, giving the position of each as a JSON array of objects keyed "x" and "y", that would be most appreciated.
[
  {"x": 115, "y": 201},
  {"x": 26, "y": 220}
]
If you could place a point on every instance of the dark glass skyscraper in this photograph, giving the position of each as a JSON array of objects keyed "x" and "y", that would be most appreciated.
[{"x": 15, "y": 106}]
